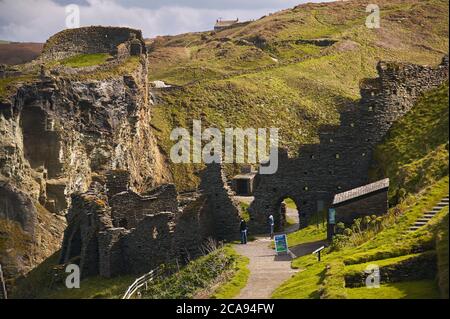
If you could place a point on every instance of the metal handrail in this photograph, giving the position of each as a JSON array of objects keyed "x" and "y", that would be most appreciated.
[
  {"x": 2, "y": 284},
  {"x": 139, "y": 283}
]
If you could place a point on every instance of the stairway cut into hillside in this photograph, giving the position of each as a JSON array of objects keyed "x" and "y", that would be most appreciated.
[{"x": 425, "y": 218}]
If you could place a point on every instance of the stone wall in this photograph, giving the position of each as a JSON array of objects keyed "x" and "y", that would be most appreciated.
[
  {"x": 342, "y": 158},
  {"x": 130, "y": 208},
  {"x": 419, "y": 267},
  {"x": 224, "y": 209},
  {"x": 371, "y": 204},
  {"x": 88, "y": 215},
  {"x": 150, "y": 244},
  {"x": 132, "y": 233},
  {"x": 89, "y": 40}
]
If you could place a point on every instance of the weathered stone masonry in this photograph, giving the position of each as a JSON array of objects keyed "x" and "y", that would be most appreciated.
[
  {"x": 341, "y": 161},
  {"x": 66, "y": 127},
  {"x": 126, "y": 232}
]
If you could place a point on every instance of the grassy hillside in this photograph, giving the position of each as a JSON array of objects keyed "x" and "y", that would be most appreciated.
[
  {"x": 415, "y": 152},
  {"x": 414, "y": 155},
  {"x": 292, "y": 70},
  {"x": 47, "y": 282},
  {"x": 389, "y": 248}
]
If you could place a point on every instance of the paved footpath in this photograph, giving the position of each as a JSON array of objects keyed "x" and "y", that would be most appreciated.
[{"x": 267, "y": 270}]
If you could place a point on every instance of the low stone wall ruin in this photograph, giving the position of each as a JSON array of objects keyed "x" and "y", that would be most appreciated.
[{"x": 134, "y": 233}]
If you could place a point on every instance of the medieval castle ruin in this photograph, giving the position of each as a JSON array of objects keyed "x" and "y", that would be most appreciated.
[
  {"x": 341, "y": 160},
  {"x": 84, "y": 144}
]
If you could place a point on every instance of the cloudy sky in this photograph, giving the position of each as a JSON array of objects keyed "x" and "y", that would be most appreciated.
[{"x": 36, "y": 20}]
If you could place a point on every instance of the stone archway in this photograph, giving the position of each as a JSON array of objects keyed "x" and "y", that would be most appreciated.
[{"x": 288, "y": 211}]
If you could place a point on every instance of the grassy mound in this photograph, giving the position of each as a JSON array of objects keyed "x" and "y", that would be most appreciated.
[{"x": 220, "y": 274}]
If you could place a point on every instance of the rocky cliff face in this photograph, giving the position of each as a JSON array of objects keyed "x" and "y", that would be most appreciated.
[{"x": 60, "y": 133}]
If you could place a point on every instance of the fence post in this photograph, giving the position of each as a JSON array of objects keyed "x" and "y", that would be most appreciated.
[{"x": 3, "y": 292}]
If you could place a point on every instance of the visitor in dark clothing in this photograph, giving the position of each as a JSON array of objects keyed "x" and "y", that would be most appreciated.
[{"x": 243, "y": 229}]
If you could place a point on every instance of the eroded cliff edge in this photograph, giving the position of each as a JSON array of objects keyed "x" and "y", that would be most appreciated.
[{"x": 65, "y": 127}]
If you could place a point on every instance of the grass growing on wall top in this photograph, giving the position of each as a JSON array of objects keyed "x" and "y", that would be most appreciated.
[{"x": 85, "y": 60}]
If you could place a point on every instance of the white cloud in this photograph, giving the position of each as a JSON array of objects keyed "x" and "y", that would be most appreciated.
[{"x": 36, "y": 20}]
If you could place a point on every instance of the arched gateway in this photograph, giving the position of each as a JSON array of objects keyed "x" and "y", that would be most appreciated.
[{"x": 342, "y": 158}]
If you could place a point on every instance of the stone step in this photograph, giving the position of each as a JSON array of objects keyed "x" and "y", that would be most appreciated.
[
  {"x": 426, "y": 217},
  {"x": 417, "y": 223}
]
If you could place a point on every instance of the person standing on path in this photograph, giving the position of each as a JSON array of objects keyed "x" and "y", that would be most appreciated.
[
  {"x": 243, "y": 228},
  {"x": 272, "y": 225}
]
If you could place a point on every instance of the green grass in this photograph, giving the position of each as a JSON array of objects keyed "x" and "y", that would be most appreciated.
[
  {"x": 422, "y": 289},
  {"x": 290, "y": 203},
  {"x": 315, "y": 281},
  {"x": 305, "y": 284},
  {"x": 442, "y": 254},
  {"x": 309, "y": 234},
  {"x": 7, "y": 85},
  {"x": 228, "y": 84},
  {"x": 244, "y": 211},
  {"x": 415, "y": 156},
  {"x": 47, "y": 281},
  {"x": 221, "y": 274},
  {"x": 85, "y": 60},
  {"x": 238, "y": 280},
  {"x": 383, "y": 262}
]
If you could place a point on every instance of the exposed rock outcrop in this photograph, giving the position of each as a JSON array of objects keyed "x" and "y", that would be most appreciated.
[{"x": 64, "y": 130}]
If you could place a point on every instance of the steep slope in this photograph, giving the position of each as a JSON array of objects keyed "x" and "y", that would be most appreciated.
[
  {"x": 414, "y": 155},
  {"x": 17, "y": 53},
  {"x": 63, "y": 126},
  {"x": 294, "y": 69}
]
